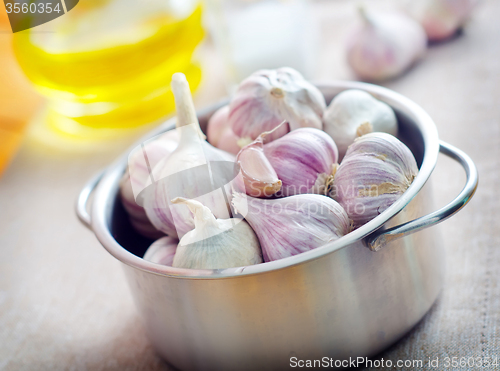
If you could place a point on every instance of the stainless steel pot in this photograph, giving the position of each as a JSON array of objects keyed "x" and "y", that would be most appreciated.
[{"x": 353, "y": 297}]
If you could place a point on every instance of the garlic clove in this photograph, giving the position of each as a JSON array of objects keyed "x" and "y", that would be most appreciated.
[
  {"x": 220, "y": 134},
  {"x": 195, "y": 170},
  {"x": 441, "y": 19},
  {"x": 140, "y": 162},
  {"x": 229, "y": 141},
  {"x": 267, "y": 97},
  {"x": 258, "y": 174},
  {"x": 292, "y": 225},
  {"x": 162, "y": 251},
  {"x": 384, "y": 45},
  {"x": 376, "y": 170},
  {"x": 216, "y": 243},
  {"x": 353, "y": 113},
  {"x": 216, "y": 125}
]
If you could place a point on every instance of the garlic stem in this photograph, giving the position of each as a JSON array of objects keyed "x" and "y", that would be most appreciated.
[
  {"x": 201, "y": 213},
  {"x": 364, "y": 14},
  {"x": 270, "y": 132},
  {"x": 186, "y": 113}
]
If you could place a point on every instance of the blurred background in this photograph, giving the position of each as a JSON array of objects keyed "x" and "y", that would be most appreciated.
[{"x": 77, "y": 91}]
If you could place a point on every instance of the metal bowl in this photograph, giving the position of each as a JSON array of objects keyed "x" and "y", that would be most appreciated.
[{"x": 350, "y": 298}]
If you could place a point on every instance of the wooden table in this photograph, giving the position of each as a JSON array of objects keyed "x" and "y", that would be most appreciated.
[{"x": 64, "y": 302}]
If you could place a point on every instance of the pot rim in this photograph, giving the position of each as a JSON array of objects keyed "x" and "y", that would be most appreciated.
[{"x": 104, "y": 196}]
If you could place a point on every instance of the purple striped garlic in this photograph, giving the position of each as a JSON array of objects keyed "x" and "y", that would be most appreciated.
[
  {"x": 385, "y": 45},
  {"x": 301, "y": 161},
  {"x": 376, "y": 170},
  {"x": 140, "y": 161},
  {"x": 353, "y": 113},
  {"x": 194, "y": 170},
  {"x": 219, "y": 132},
  {"x": 267, "y": 97},
  {"x": 162, "y": 251},
  {"x": 292, "y": 225}
]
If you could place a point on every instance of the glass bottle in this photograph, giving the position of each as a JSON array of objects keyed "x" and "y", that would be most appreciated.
[{"x": 105, "y": 66}]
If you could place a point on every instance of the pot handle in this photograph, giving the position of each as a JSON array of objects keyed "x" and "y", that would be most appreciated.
[
  {"x": 380, "y": 238},
  {"x": 83, "y": 200}
]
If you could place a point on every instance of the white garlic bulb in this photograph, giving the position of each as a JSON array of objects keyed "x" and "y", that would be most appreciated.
[
  {"x": 219, "y": 132},
  {"x": 301, "y": 161},
  {"x": 162, "y": 251},
  {"x": 292, "y": 225},
  {"x": 353, "y": 113},
  {"x": 441, "y": 19},
  {"x": 267, "y": 97},
  {"x": 216, "y": 243},
  {"x": 376, "y": 170},
  {"x": 384, "y": 45},
  {"x": 133, "y": 182},
  {"x": 195, "y": 170}
]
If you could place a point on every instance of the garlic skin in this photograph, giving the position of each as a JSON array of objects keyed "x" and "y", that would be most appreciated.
[
  {"x": 441, "y": 19},
  {"x": 219, "y": 132},
  {"x": 353, "y": 113},
  {"x": 376, "y": 170},
  {"x": 194, "y": 170},
  {"x": 162, "y": 251},
  {"x": 216, "y": 243},
  {"x": 267, "y": 97},
  {"x": 259, "y": 177},
  {"x": 292, "y": 225},
  {"x": 385, "y": 45},
  {"x": 140, "y": 160}
]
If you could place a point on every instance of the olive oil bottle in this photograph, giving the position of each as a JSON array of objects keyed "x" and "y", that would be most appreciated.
[{"x": 105, "y": 66}]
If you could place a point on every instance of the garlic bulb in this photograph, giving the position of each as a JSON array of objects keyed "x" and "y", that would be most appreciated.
[
  {"x": 353, "y": 113},
  {"x": 267, "y": 97},
  {"x": 301, "y": 161},
  {"x": 385, "y": 45},
  {"x": 216, "y": 243},
  {"x": 442, "y": 18},
  {"x": 162, "y": 251},
  {"x": 376, "y": 170},
  {"x": 219, "y": 132},
  {"x": 133, "y": 182},
  {"x": 195, "y": 170},
  {"x": 292, "y": 225}
]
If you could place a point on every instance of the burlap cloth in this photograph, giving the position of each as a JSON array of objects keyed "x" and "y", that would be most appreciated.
[{"x": 64, "y": 303}]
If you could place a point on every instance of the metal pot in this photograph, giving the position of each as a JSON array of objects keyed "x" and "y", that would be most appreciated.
[{"x": 353, "y": 297}]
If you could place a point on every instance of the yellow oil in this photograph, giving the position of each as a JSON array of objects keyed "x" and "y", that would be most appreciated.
[{"x": 101, "y": 89}]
